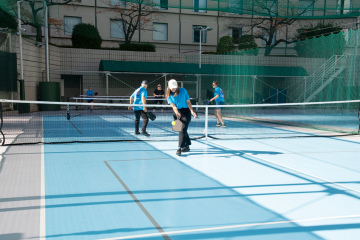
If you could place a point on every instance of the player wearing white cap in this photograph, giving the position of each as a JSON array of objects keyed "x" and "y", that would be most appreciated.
[{"x": 179, "y": 99}]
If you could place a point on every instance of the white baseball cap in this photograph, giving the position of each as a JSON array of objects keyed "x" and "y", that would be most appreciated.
[{"x": 172, "y": 84}]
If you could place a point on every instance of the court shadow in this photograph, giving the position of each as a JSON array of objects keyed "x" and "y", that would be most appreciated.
[{"x": 11, "y": 236}]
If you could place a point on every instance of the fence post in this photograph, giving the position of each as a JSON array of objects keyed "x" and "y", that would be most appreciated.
[{"x": 206, "y": 121}]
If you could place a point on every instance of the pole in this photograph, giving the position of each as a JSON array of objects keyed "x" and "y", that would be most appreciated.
[
  {"x": 206, "y": 121},
  {"x": 96, "y": 13},
  {"x": 355, "y": 49},
  {"x": 200, "y": 50},
  {"x": 46, "y": 42},
  {"x": 20, "y": 41},
  {"x": 107, "y": 84}
]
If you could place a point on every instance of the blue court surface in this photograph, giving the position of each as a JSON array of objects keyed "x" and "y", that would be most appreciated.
[{"x": 297, "y": 188}]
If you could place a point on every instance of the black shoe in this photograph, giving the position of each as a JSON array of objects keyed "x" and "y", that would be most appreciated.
[
  {"x": 145, "y": 134},
  {"x": 186, "y": 149},
  {"x": 137, "y": 133},
  {"x": 178, "y": 152}
]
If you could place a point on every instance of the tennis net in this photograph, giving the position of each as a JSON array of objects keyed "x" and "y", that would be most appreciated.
[{"x": 62, "y": 122}]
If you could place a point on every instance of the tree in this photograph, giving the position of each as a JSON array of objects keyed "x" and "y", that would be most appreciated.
[
  {"x": 32, "y": 12},
  {"x": 135, "y": 15},
  {"x": 267, "y": 25},
  {"x": 225, "y": 45},
  {"x": 86, "y": 36}
]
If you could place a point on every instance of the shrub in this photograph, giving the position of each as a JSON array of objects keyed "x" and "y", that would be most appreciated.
[
  {"x": 86, "y": 36},
  {"x": 140, "y": 47},
  {"x": 247, "y": 42},
  {"x": 225, "y": 44}
]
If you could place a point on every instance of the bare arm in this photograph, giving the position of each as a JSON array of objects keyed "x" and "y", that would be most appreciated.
[
  {"x": 143, "y": 100},
  {"x": 214, "y": 98},
  {"x": 176, "y": 111},
  {"x": 190, "y": 107},
  {"x": 131, "y": 102}
]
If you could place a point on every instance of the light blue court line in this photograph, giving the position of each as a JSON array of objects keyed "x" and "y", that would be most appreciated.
[{"x": 85, "y": 201}]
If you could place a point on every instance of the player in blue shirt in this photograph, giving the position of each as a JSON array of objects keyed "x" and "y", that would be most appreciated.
[
  {"x": 137, "y": 98},
  {"x": 179, "y": 99},
  {"x": 219, "y": 100},
  {"x": 90, "y": 97}
]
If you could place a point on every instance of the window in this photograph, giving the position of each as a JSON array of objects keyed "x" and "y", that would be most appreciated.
[
  {"x": 117, "y": 29},
  {"x": 235, "y": 6},
  {"x": 306, "y": 7},
  {"x": 344, "y": 6},
  {"x": 161, "y": 4},
  {"x": 199, "y": 5},
  {"x": 235, "y": 33},
  {"x": 196, "y": 34},
  {"x": 267, "y": 38},
  {"x": 70, "y": 22},
  {"x": 160, "y": 31},
  {"x": 118, "y": 3},
  {"x": 271, "y": 7}
]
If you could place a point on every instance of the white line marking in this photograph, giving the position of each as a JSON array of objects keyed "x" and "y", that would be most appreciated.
[
  {"x": 42, "y": 197},
  {"x": 230, "y": 227}
]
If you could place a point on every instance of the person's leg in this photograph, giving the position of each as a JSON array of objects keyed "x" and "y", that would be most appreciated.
[
  {"x": 219, "y": 116},
  {"x": 184, "y": 139},
  {"x": 91, "y": 106},
  {"x": 137, "y": 121},
  {"x": 145, "y": 120}
]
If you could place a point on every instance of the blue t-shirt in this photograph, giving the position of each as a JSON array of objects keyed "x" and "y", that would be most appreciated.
[
  {"x": 180, "y": 99},
  {"x": 218, "y": 91},
  {"x": 137, "y": 95},
  {"x": 89, "y": 94}
]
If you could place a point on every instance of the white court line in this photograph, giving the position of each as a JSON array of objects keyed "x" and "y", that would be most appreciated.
[
  {"x": 293, "y": 169},
  {"x": 42, "y": 234},
  {"x": 230, "y": 227}
]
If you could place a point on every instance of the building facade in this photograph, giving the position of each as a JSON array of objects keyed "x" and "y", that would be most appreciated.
[{"x": 173, "y": 30}]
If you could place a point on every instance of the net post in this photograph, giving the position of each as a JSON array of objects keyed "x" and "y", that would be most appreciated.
[
  {"x": 67, "y": 112},
  {"x": 206, "y": 121},
  {"x": 107, "y": 84},
  {"x": 1, "y": 125}
]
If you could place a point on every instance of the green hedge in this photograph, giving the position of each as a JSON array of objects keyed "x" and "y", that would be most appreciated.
[
  {"x": 86, "y": 36},
  {"x": 140, "y": 47},
  {"x": 225, "y": 45}
]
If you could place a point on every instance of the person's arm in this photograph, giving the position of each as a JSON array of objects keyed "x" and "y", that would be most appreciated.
[
  {"x": 214, "y": 98},
  {"x": 143, "y": 100},
  {"x": 176, "y": 111},
  {"x": 131, "y": 102},
  {"x": 190, "y": 107}
]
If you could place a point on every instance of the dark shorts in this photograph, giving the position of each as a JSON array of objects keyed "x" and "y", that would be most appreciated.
[
  {"x": 90, "y": 100},
  {"x": 218, "y": 104}
]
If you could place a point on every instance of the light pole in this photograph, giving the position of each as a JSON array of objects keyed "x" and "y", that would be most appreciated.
[
  {"x": 21, "y": 80},
  {"x": 46, "y": 41},
  {"x": 20, "y": 42},
  {"x": 201, "y": 29}
]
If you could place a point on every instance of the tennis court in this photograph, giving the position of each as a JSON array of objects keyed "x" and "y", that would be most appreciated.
[{"x": 282, "y": 185}]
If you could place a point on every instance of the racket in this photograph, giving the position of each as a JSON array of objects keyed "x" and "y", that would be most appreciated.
[
  {"x": 176, "y": 125},
  {"x": 96, "y": 93},
  {"x": 151, "y": 115},
  {"x": 206, "y": 102}
]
